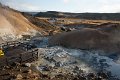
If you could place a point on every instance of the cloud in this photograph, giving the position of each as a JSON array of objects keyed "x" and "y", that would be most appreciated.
[
  {"x": 66, "y": 1},
  {"x": 110, "y": 8},
  {"x": 107, "y": 6},
  {"x": 98, "y": 6},
  {"x": 20, "y": 5}
]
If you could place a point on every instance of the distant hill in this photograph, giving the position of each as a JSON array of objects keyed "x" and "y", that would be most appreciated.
[
  {"x": 99, "y": 16},
  {"x": 49, "y": 14},
  {"x": 91, "y": 16}
]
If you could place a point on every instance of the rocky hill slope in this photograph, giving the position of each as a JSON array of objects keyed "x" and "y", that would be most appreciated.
[
  {"x": 45, "y": 25},
  {"x": 13, "y": 24}
]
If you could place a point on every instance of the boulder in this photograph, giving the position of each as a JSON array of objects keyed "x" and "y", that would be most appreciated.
[{"x": 19, "y": 77}]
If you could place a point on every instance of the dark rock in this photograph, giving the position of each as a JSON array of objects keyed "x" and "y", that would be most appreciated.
[
  {"x": 58, "y": 64},
  {"x": 44, "y": 68}
]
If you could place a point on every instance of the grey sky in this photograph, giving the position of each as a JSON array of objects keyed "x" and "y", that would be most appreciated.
[{"x": 107, "y": 6}]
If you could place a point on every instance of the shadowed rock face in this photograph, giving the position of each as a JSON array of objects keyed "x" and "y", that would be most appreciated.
[{"x": 87, "y": 38}]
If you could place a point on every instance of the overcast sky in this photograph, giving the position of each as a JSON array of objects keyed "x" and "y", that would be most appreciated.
[{"x": 107, "y": 6}]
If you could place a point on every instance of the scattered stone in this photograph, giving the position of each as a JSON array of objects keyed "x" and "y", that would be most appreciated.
[
  {"x": 33, "y": 76},
  {"x": 7, "y": 67},
  {"x": 91, "y": 76},
  {"x": 19, "y": 77},
  {"x": 44, "y": 68},
  {"x": 29, "y": 71},
  {"x": 19, "y": 70},
  {"x": 44, "y": 76},
  {"x": 58, "y": 64},
  {"x": 103, "y": 75},
  {"x": 36, "y": 76},
  {"x": 102, "y": 60},
  {"x": 28, "y": 65}
]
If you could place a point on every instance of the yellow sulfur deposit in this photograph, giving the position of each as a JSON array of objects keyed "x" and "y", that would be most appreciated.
[{"x": 1, "y": 53}]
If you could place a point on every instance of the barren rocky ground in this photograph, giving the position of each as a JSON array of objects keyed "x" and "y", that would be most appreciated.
[{"x": 69, "y": 48}]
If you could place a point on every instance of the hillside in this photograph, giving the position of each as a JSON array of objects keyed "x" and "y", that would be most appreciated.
[
  {"x": 90, "y": 16},
  {"x": 99, "y": 16},
  {"x": 13, "y": 24},
  {"x": 49, "y": 14},
  {"x": 45, "y": 25},
  {"x": 102, "y": 37}
]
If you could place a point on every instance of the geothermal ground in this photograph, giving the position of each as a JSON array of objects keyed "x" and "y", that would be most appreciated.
[
  {"x": 67, "y": 48},
  {"x": 59, "y": 60}
]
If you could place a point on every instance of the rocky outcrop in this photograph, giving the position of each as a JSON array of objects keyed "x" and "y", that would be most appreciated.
[{"x": 104, "y": 38}]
